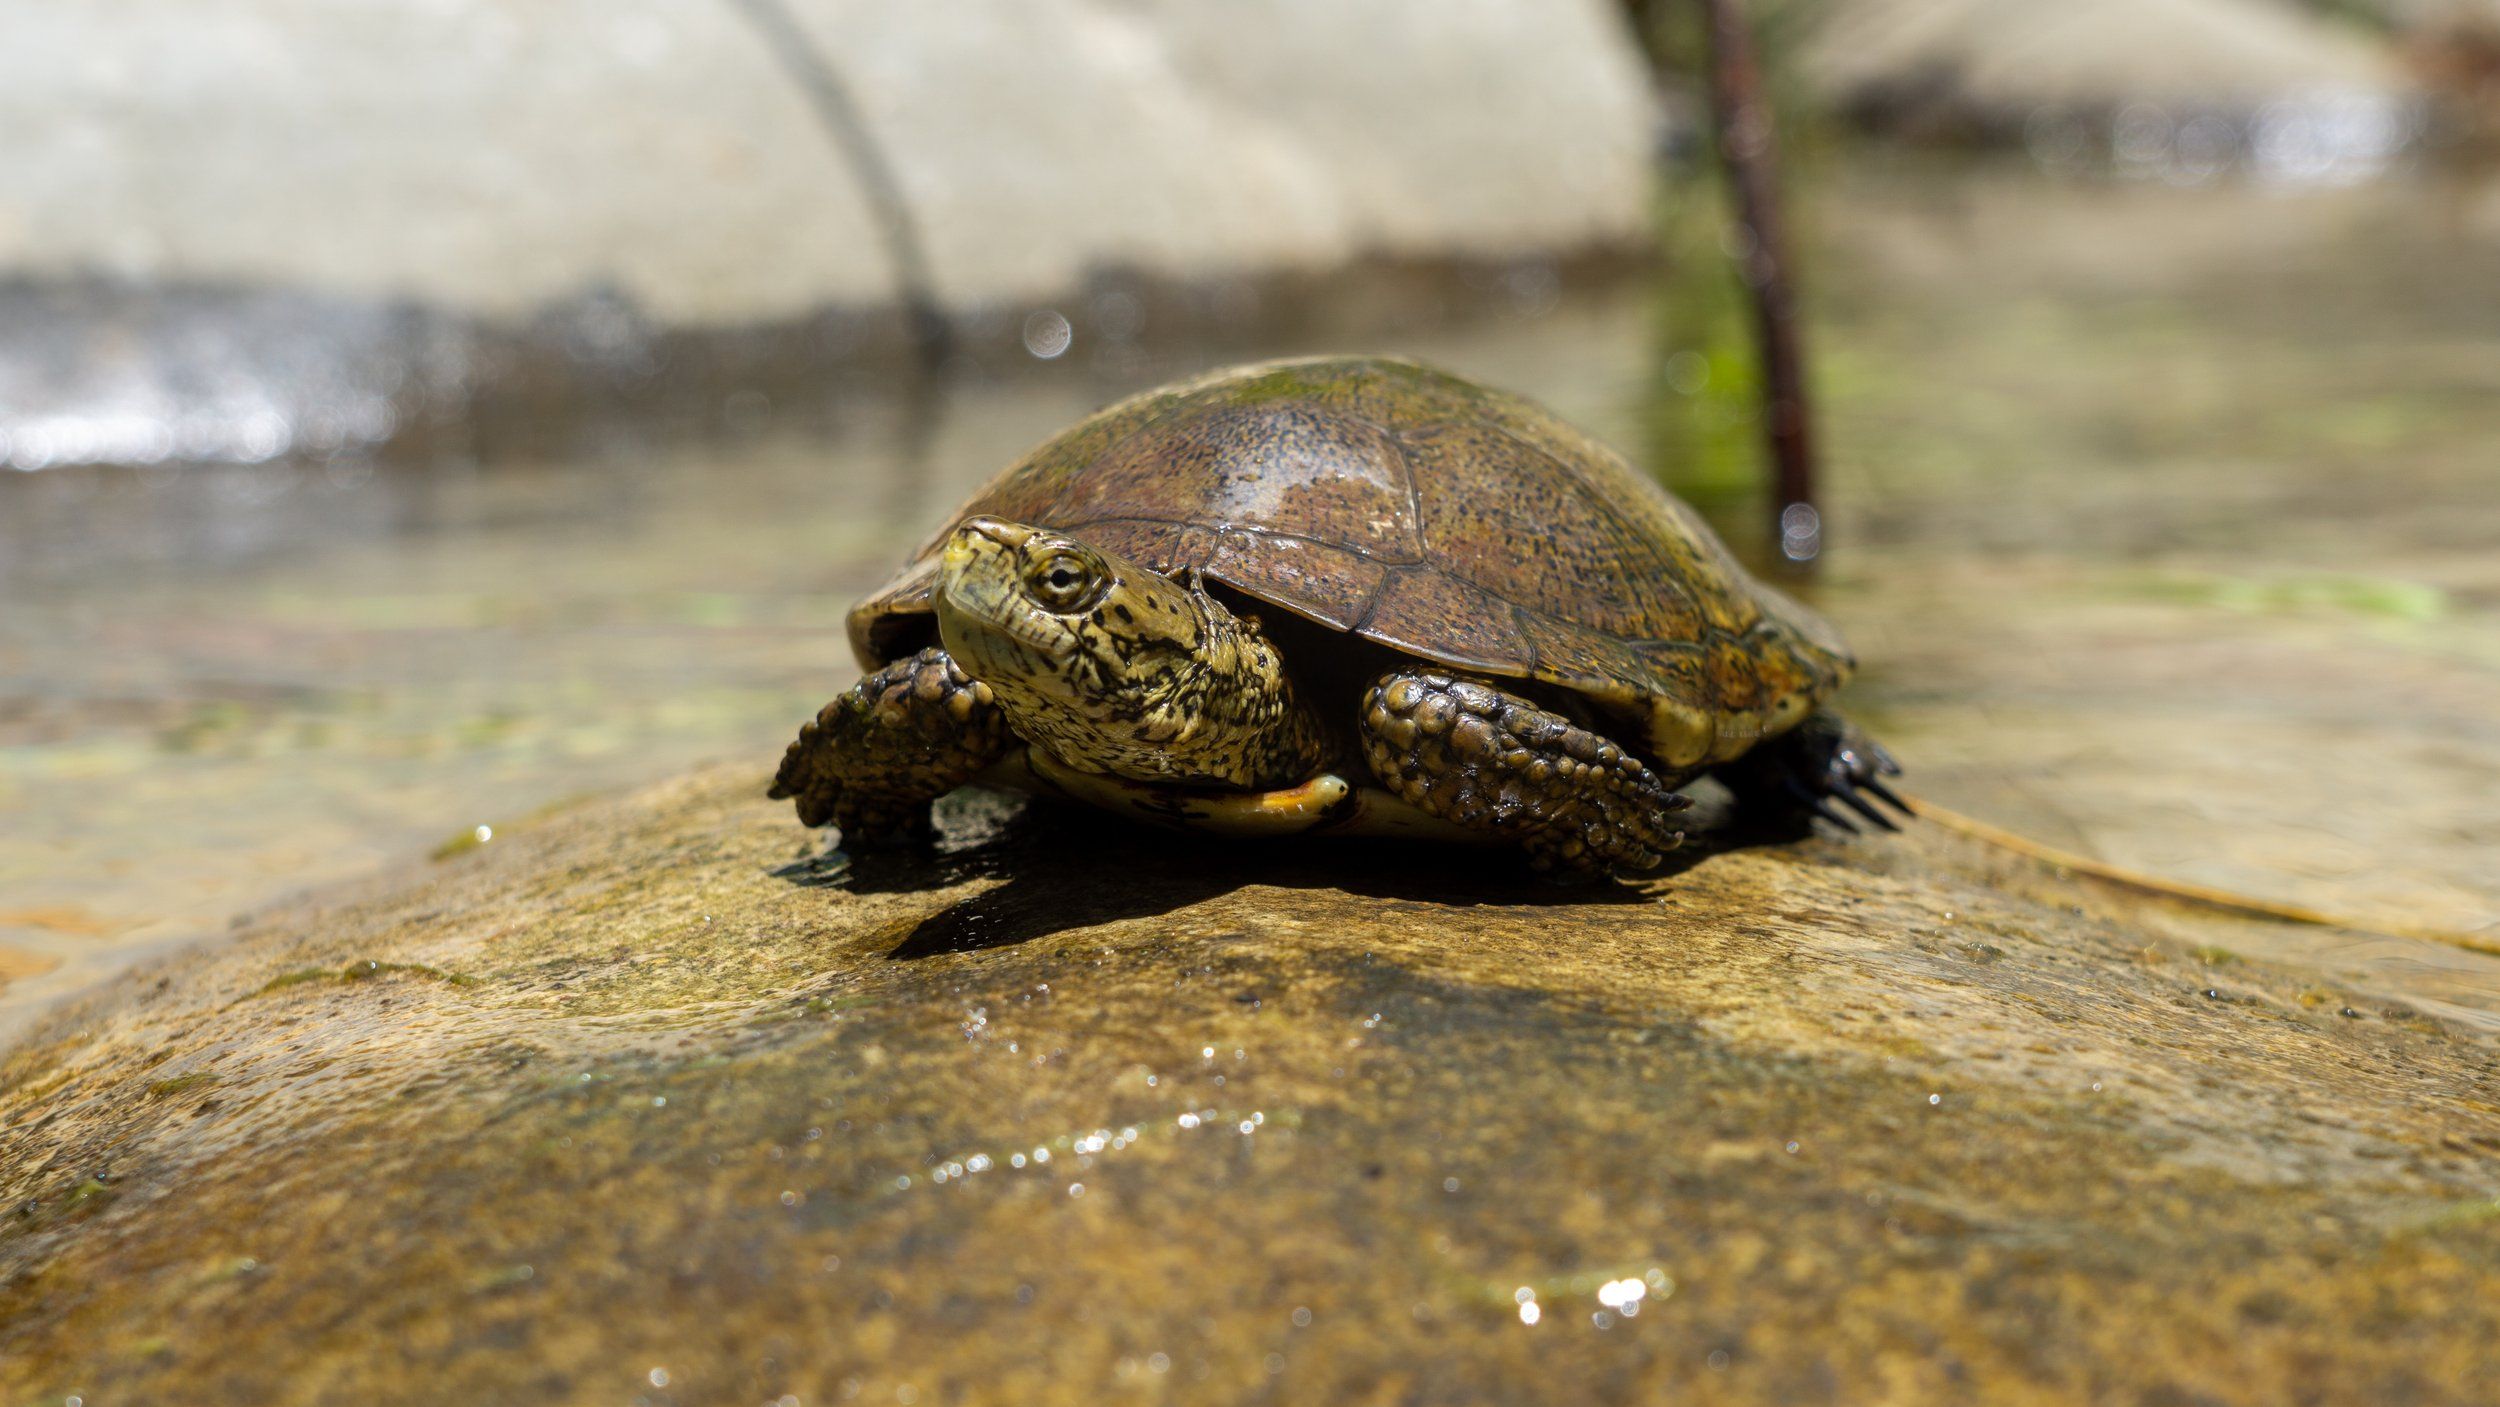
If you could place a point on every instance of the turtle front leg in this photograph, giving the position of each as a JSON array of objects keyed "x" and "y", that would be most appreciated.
[
  {"x": 1826, "y": 758},
  {"x": 874, "y": 758},
  {"x": 1494, "y": 762}
]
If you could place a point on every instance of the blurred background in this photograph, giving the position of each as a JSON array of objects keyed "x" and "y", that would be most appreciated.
[{"x": 414, "y": 413}]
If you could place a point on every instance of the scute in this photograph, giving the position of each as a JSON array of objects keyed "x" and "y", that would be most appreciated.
[
  {"x": 1465, "y": 526},
  {"x": 1285, "y": 468}
]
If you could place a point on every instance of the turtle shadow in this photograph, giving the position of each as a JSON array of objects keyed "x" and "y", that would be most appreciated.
[{"x": 1063, "y": 868}]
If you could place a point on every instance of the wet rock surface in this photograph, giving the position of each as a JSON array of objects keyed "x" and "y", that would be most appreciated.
[{"x": 647, "y": 1101}]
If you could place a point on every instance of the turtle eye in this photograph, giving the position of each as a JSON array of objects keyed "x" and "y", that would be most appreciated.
[{"x": 1063, "y": 580}]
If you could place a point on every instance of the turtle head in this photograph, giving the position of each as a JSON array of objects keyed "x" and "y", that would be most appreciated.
[{"x": 1115, "y": 668}]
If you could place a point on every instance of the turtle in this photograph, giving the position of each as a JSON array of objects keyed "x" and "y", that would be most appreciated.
[{"x": 1353, "y": 595}]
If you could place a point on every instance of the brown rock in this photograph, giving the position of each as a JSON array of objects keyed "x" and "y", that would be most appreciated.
[{"x": 639, "y": 1103}]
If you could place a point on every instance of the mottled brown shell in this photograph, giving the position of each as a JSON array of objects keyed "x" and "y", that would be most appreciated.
[{"x": 1417, "y": 509}]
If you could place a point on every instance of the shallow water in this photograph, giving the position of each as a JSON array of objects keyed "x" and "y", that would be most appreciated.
[{"x": 2161, "y": 517}]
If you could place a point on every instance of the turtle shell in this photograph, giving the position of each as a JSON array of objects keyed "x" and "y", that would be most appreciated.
[{"x": 1462, "y": 525}]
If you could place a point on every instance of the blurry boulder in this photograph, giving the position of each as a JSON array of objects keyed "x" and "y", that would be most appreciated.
[
  {"x": 593, "y": 203},
  {"x": 495, "y": 157},
  {"x": 2180, "y": 87}
]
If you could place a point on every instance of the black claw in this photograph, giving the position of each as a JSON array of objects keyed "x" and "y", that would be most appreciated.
[
  {"x": 1812, "y": 804},
  {"x": 1824, "y": 771},
  {"x": 1887, "y": 795},
  {"x": 1848, "y": 796}
]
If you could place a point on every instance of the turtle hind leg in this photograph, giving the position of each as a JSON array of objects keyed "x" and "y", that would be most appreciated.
[
  {"x": 875, "y": 757},
  {"x": 1797, "y": 776},
  {"x": 1496, "y": 763}
]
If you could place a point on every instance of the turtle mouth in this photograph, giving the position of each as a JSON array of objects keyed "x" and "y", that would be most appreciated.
[
  {"x": 996, "y": 655},
  {"x": 988, "y": 621}
]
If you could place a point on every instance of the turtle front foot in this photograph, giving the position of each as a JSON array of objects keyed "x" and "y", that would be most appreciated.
[
  {"x": 874, "y": 758},
  {"x": 1798, "y": 774},
  {"x": 1496, "y": 763}
]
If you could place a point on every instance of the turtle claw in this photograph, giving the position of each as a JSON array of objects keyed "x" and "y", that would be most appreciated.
[
  {"x": 1822, "y": 770},
  {"x": 1848, "y": 796},
  {"x": 1886, "y": 794},
  {"x": 1817, "y": 807}
]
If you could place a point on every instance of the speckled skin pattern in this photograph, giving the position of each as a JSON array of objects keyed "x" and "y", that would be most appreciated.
[
  {"x": 1488, "y": 759},
  {"x": 875, "y": 757},
  {"x": 1545, "y": 593},
  {"x": 1118, "y": 671}
]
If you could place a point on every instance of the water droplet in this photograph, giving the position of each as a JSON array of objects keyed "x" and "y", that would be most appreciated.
[
  {"x": 1529, "y": 1313},
  {"x": 1047, "y": 334},
  {"x": 659, "y": 1377},
  {"x": 1801, "y": 532}
]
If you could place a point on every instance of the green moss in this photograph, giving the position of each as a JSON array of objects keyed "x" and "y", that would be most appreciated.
[
  {"x": 88, "y": 1196},
  {"x": 2213, "y": 956},
  {"x": 461, "y": 843},
  {"x": 2346, "y": 594},
  {"x": 362, "y": 970},
  {"x": 501, "y": 1278},
  {"x": 180, "y": 1084},
  {"x": 297, "y": 978},
  {"x": 2480, "y": 1212},
  {"x": 817, "y": 1006}
]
